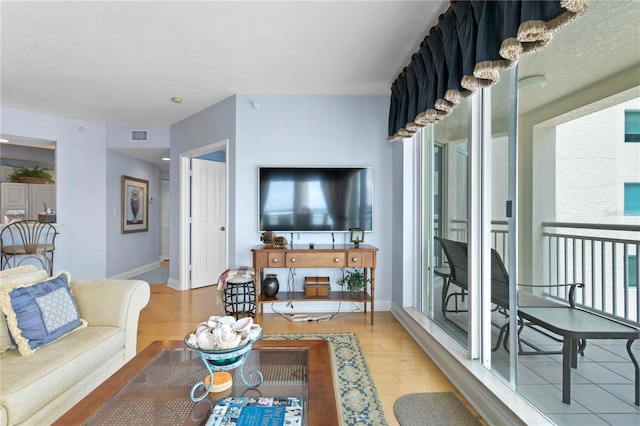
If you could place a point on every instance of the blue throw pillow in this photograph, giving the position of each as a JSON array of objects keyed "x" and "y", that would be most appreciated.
[{"x": 39, "y": 313}]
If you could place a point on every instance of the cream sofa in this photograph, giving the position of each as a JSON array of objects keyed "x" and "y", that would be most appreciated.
[{"x": 36, "y": 389}]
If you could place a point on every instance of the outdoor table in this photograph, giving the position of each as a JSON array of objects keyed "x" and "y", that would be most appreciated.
[{"x": 575, "y": 324}]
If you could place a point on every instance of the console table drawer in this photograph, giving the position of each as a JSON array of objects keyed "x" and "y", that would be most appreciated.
[
  {"x": 315, "y": 260},
  {"x": 275, "y": 260},
  {"x": 358, "y": 259}
]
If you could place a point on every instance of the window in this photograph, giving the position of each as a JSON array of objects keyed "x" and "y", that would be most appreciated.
[
  {"x": 632, "y": 199},
  {"x": 632, "y": 270},
  {"x": 632, "y": 125}
]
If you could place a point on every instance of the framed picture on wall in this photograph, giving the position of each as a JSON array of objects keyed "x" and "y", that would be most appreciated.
[{"x": 135, "y": 212}]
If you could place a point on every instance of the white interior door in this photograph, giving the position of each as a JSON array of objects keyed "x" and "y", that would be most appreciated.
[{"x": 208, "y": 221}]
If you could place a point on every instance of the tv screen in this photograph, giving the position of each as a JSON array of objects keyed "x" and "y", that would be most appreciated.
[{"x": 315, "y": 199}]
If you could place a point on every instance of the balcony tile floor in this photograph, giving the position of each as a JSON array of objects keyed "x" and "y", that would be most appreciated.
[{"x": 602, "y": 387}]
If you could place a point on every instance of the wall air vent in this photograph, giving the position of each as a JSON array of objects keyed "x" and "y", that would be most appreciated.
[{"x": 139, "y": 135}]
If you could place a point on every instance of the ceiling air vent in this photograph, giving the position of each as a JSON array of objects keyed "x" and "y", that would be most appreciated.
[{"x": 139, "y": 135}]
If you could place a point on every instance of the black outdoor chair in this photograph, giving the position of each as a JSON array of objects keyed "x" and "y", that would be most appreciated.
[
  {"x": 456, "y": 254},
  {"x": 457, "y": 257},
  {"x": 500, "y": 296}
]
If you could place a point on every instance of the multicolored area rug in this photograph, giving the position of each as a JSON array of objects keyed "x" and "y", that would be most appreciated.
[{"x": 358, "y": 397}]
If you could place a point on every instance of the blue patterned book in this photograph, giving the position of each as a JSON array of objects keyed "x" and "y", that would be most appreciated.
[{"x": 257, "y": 411}]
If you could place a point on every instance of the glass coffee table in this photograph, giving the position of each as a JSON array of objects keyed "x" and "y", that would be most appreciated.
[{"x": 154, "y": 387}]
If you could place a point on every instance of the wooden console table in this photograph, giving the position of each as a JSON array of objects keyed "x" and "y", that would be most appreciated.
[{"x": 321, "y": 256}]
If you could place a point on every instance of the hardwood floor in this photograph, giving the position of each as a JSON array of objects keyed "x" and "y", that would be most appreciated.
[{"x": 398, "y": 365}]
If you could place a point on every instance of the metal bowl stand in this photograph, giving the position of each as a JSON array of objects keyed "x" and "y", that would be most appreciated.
[{"x": 255, "y": 377}]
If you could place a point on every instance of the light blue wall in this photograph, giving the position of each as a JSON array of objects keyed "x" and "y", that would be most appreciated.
[
  {"x": 290, "y": 130},
  {"x": 313, "y": 131},
  {"x": 214, "y": 124},
  {"x": 88, "y": 185},
  {"x": 126, "y": 252},
  {"x": 81, "y": 163},
  {"x": 282, "y": 130}
]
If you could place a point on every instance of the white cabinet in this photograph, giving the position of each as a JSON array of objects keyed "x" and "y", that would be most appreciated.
[
  {"x": 39, "y": 196},
  {"x": 25, "y": 201},
  {"x": 14, "y": 201},
  {"x": 14, "y": 195}
]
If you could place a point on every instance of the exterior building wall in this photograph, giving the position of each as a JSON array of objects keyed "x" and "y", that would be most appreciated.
[{"x": 592, "y": 164}]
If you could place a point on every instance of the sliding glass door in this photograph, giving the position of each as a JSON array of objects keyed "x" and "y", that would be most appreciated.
[
  {"x": 444, "y": 190},
  {"x": 500, "y": 159},
  {"x": 468, "y": 183}
]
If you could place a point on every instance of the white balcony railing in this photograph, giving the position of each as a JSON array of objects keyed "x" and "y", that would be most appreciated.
[
  {"x": 603, "y": 257},
  {"x": 499, "y": 233}
]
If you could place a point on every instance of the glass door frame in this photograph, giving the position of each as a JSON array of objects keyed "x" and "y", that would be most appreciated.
[
  {"x": 480, "y": 192},
  {"x": 479, "y": 339}
]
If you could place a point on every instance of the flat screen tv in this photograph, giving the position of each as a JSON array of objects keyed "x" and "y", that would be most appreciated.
[{"x": 315, "y": 199}]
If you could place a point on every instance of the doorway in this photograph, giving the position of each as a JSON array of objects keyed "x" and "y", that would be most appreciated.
[
  {"x": 203, "y": 236},
  {"x": 165, "y": 203},
  {"x": 26, "y": 200}
]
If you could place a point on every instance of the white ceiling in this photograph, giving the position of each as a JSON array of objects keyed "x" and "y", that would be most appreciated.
[{"x": 121, "y": 62}]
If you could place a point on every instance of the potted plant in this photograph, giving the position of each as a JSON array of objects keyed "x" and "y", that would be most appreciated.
[
  {"x": 354, "y": 280},
  {"x": 26, "y": 175}
]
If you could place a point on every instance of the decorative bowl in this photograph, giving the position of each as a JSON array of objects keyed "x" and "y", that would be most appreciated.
[{"x": 227, "y": 358}]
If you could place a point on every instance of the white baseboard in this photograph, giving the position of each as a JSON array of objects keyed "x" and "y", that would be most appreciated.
[
  {"x": 136, "y": 271},
  {"x": 174, "y": 284},
  {"x": 491, "y": 397}
]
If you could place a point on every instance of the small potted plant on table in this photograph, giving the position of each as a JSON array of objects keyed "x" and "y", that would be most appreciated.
[{"x": 355, "y": 282}]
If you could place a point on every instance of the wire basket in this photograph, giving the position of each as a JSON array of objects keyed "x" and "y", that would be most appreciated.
[{"x": 29, "y": 179}]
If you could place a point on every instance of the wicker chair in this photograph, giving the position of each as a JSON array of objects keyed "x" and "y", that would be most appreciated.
[{"x": 27, "y": 240}]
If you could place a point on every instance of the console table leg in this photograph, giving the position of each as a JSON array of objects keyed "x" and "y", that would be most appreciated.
[
  {"x": 257, "y": 289},
  {"x": 364, "y": 302},
  {"x": 373, "y": 290}
]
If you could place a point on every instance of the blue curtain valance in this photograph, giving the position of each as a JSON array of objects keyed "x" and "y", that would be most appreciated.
[{"x": 473, "y": 41}]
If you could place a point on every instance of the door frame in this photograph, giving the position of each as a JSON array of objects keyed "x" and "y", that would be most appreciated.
[
  {"x": 165, "y": 208},
  {"x": 184, "y": 255}
]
